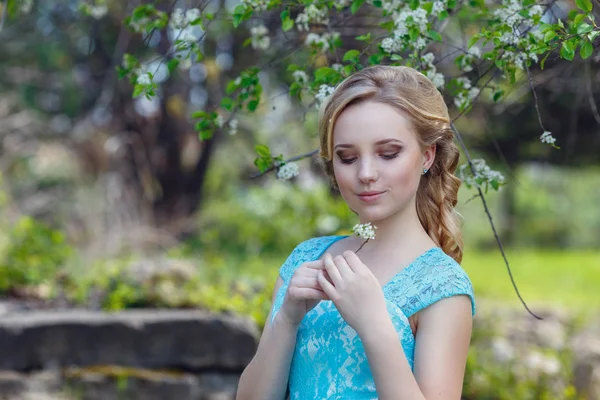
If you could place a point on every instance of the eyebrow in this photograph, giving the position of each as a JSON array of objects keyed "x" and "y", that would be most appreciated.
[{"x": 384, "y": 141}]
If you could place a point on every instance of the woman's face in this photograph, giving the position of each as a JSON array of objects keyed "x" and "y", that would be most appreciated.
[{"x": 375, "y": 149}]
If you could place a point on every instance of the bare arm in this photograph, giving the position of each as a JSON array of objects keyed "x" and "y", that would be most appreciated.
[
  {"x": 442, "y": 344},
  {"x": 266, "y": 376}
]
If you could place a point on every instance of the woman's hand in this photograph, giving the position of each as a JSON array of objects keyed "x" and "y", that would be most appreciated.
[
  {"x": 354, "y": 290},
  {"x": 303, "y": 292}
]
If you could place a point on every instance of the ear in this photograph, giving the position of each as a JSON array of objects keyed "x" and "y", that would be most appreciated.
[{"x": 429, "y": 156}]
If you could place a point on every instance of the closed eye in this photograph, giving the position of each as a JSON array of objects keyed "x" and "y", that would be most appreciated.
[{"x": 385, "y": 156}]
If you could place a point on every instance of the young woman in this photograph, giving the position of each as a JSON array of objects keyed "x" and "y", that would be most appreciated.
[{"x": 392, "y": 320}]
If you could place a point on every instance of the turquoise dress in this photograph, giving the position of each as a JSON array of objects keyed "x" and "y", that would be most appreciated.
[{"x": 329, "y": 360}]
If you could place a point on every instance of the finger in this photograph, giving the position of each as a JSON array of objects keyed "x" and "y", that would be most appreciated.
[
  {"x": 305, "y": 281},
  {"x": 343, "y": 267},
  {"x": 327, "y": 287},
  {"x": 353, "y": 261},
  {"x": 313, "y": 265},
  {"x": 332, "y": 270},
  {"x": 307, "y": 293}
]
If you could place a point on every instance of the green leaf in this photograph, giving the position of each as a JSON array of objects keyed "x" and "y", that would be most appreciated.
[
  {"x": 549, "y": 36},
  {"x": 199, "y": 114},
  {"x": 287, "y": 25},
  {"x": 585, "y": 5},
  {"x": 578, "y": 18},
  {"x": 567, "y": 51},
  {"x": 375, "y": 59},
  {"x": 323, "y": 73},
  {"x": 172, "y": 64},
  {"x": 498, "y": 94},
  {"x": 474, "y": 39},
  {"x": 586, "y": 50},
  {"x": 227, "y": 103},
  {"x": 435, "y": 36},
  {"x": 351, "y": 55},
  {"x": 364, "y": 38},
  {"x": 252, "y": 105},
  {"x": 544, "y": 60},
  {"x": 583, "y": 28},
  {"x": 137, "y": 90},
  {"x": 263, "y": 150},
  {"x": 356, "y": 5},
  {"x": 239, "y": 14},
  {"x": 286, "y": 22},
  {"x": 231, "y": 87}
]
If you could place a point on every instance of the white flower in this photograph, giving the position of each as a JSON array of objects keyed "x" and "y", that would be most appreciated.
[
  {"x": 300, "y": 76},
  {"x": 438, "y": 7},
  {"x": 288, "y": 171},
  {"x": 324, "y": 91},
  {"x": 99, "y": 11},
  {"x": 260, "y": 5},
  {"x": 475, "y": 52},
  {"x": 547, "y": 138},
  {"x": 144, "y": 79},
  {"x": 365, "y": 231},
  {"x": 482, "y": 172},
  {"x": 220, "y": 121},
  {"x": 259, "y": 39},
  {"x": 191, "y": 15},
  {"x": 233, "y": 125},
  {"x": 26, "y": 6},
  {"x": 464, "y": 82},
  {"x": 420, "y": 44}
]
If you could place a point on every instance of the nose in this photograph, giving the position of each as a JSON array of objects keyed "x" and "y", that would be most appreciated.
[{"x": 367, "y": 171}]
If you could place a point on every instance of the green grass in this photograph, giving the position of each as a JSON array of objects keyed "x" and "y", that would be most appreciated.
[{"x": 569, "y": 279}]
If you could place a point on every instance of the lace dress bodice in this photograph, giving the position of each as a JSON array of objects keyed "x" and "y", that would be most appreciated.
[{"x": 329, "y": 360}]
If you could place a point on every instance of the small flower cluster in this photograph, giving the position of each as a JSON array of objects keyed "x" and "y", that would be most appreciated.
[
  {"x": 321, "y": 41},
  {"x": 288, "y": 171},
  {"x": 183, "y": 26},
  {"x": 484, "y": 175},
  {"x": 548, "y": 138},
  {"x": 233, "y": 127},
  {"x": 430, "y": 71},
  {"x": 404, "y": 20},
  {"x": 300, "y": 76},
  {"x": 144, "y": 78},
  {"x": 465, "y": 61},
  {"x": 520, "y": 39},
  {"x": 324, "y": 91},
  {"x": 26, "y": 6},
  {"x": 365, "y": 231},
  {"x": 97, "y": 11},
  {"x": 260, "y": 37},
  {"x": 312, "y": 15},
  {"x": 256, "y": 5},
  {"x": 468, "y": 93}
]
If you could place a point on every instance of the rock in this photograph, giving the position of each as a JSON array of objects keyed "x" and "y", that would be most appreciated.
[{"x": 186, "y": 339}]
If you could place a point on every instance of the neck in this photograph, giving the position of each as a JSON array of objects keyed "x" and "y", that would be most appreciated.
[{"x": 400, "y": 232}]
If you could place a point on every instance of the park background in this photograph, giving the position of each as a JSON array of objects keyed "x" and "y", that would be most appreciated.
[{"x": 111, "y": 203}]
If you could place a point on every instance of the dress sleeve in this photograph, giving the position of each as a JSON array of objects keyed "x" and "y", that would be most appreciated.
[{"x": 439, "y": 281}]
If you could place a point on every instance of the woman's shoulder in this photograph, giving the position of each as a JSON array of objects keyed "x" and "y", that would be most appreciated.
[{"x": 438, "y": 276}]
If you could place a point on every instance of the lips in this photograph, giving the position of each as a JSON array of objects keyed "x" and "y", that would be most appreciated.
[{"x": 370, "y": 196}]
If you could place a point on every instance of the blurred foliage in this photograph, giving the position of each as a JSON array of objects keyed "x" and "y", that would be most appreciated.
[
  {"x": 35, "y": 253},
  {"x": 534, "y": 375}
]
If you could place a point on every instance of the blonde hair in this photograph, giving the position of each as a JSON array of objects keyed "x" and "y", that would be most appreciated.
[{"x": 415, "y": 95}]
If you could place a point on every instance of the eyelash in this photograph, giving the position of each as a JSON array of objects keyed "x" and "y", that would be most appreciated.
[{"x": 385, "y": 156}]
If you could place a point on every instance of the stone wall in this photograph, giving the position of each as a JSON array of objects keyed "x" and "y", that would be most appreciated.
[{"x": 145, "y": 354}]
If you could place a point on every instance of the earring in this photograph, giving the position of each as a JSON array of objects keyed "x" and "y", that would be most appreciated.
[{"x": 425, "y": 171}]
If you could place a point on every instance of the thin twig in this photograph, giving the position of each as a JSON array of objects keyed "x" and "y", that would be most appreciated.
[
  {"x": 535, "y": 98},
  {"x": 296, "y": 158},
  {"x": 489, "y": 215}
]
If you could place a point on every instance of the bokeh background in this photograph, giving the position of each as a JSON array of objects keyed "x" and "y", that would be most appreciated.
[{"x": 112, "y": 203}]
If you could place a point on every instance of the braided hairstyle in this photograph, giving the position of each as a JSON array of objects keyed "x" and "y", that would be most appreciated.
[{"x": 417, "y": 97}]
